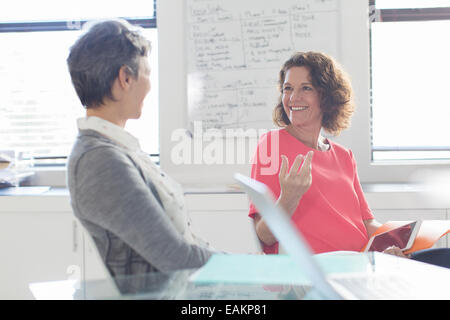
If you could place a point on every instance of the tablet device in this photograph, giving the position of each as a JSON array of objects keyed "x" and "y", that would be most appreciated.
[{"x": 402, "y": 237}]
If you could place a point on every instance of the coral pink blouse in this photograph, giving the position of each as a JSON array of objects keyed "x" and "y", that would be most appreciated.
[{"x": 330, "y": 214}]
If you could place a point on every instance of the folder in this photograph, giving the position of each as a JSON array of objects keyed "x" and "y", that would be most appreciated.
[{"x": 429, "y": 233}]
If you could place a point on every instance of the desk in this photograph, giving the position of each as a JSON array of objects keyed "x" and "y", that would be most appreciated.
[{"x": 179, "y": 285}]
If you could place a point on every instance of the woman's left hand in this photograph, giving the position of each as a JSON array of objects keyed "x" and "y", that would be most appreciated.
[{"x": 395, "y": 251}]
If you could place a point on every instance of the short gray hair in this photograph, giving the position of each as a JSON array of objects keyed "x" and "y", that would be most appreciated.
[{"x": 96, "y": 57}]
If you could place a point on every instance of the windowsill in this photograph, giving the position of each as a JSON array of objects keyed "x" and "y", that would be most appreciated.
[
  {"x": 379, "y": 196},
  {"x": 367, "y": 188},
  {"x": 410, "y": 162},
  {"x": 45, "y": 191},
  {"x": 54, "y": 176}
]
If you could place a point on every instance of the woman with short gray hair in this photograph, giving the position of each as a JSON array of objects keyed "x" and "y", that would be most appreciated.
[{"x": 134, "y": 212}]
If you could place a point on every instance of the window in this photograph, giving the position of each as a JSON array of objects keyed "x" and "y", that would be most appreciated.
[
  {"x": 39, "y": 106},
  {"x": 409, "y": 80}
]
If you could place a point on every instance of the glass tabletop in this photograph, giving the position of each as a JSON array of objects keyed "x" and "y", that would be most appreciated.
[
  {"x": 176, "y": 285},
  {"x": 256, "y": 277}
]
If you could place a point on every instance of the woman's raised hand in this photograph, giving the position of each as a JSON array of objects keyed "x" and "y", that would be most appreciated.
[{"x": 294, "y": 182}]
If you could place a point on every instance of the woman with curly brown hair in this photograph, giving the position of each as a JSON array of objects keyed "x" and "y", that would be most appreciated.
[{"x": 323, "y": 196}]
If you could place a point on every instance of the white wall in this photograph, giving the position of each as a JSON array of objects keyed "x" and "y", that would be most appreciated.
[{"x": 354, "y": 56}]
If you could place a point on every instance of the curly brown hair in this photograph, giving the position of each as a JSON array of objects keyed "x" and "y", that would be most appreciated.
[{"x": 333, "y": 85}]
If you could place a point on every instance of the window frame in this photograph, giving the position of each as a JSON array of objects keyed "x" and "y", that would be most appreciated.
[
  {"x": 359, "y": 136},
  {"x": 52, "y": 170},
  {"x": 402, "y": 15}
]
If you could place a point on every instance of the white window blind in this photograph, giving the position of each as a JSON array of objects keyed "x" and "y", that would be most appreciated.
[
  {"x": 39, "y": 106},
  {"x": 57, "y": 10},
  {"x": 409, "y": 73}
]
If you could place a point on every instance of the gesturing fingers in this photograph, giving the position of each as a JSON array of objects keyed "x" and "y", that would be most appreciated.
[
  {"x": 297, "y": 162},
  {"x": 284, "y": 166},
  {"x": 305, "y": 170},
  {"x": 294, "y": 182},
  {"x": 294, "y": 170}
]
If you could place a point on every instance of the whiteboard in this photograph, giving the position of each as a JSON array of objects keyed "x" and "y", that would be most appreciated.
[{"x": 236, "y": 48}]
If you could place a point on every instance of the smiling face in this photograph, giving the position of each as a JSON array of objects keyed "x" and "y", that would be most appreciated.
[{"x": 301, "y": 101}]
